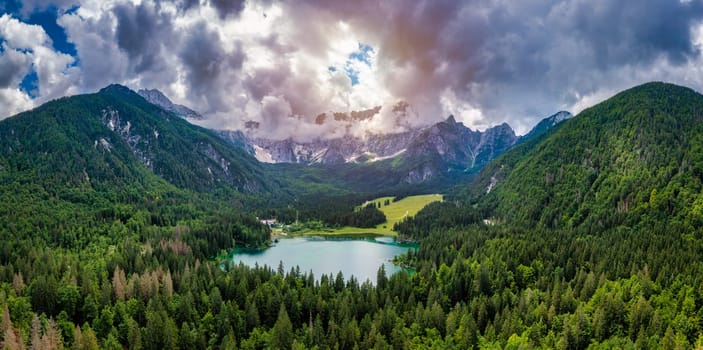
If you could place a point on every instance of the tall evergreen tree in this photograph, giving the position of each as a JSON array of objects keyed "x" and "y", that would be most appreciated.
[{"x": 282, "y": 332}]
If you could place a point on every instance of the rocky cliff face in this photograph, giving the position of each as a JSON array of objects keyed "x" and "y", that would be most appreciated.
[
  {"x": 546, "y": 124},
  {"x": 493, "y": 142},
  {"x": 346, "y": 149},
  {"x": 451, "y": 146},
  {"x": 156, "y": 97}
]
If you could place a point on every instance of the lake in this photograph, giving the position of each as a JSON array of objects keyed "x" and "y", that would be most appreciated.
[{"x": 358, "y": 257}]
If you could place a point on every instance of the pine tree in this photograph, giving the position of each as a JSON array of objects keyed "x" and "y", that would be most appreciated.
[
  {"x": 35, "y": 334},
  {"x": 229, "y": 342},
  {"x": 85, "y": 339},
  {"x": 282, "y": 332},
  {"x": 168, "y": 284},
  {"x": 669, "y": 340},
  {"x": 51, "y": 340},
  {"x": 13, "y": 341},
  {"x": 381, "y": 279},
  {"x": 18, "y": 283},
  {"x": 134, "y": 335},
  {"x": 6, "y": 321},
  {"x": 10, "y": 341},
  {"x": 119, "y": 283},
  {"x": 132, "y": 285}
]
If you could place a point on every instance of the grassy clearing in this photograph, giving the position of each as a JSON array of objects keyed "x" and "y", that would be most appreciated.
[{"x": 395, "y": 212}]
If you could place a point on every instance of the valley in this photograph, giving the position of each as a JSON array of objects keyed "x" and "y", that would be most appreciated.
[
  {"x": 126, "y": 226},
  {"x": 346, "y": 175}
]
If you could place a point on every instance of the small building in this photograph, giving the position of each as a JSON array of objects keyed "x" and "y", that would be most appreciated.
[{"x": 269, "y": 222}]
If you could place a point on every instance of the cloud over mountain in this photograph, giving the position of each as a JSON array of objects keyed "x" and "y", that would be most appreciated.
[{"x": 284, "y": 62}]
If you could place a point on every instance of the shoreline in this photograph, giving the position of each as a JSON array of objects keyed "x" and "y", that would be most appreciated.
[{"x": 345, "y": 231}]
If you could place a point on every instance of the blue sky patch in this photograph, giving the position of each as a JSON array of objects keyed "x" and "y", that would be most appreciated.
[
  {"x": 30, "y": 83},
  {"x": 352, "y": 73},
  {"x": 73, "y": 9},
  {"x": 47, "y": 19},
  {"x": 11, "y": 7},
  {"x": 361, "y": 55}
]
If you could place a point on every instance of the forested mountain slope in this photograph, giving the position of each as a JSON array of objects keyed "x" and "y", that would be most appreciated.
[
  {"x": 116, "y": 137},
  {"x": 587, "y": 236},
  {"x": 637, "y": 157},
  {"x": 72, "y": 168}
]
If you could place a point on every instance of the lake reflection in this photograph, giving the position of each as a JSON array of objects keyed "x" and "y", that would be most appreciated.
[{"x": 358, "y": 257}]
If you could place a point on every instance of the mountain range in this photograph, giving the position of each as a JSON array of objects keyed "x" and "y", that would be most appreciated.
[
  {"x": 117, "y": 138},
  {"x": 460, "y": 144},
  {"x": 117, "y": 215},
  {"x": 447, "y": 146},
  {"x": 613, "y": 163},
  {"x": 89, "y": 152}
]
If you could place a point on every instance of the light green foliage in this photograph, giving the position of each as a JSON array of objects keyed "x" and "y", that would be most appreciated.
[{"x": 394, "y": 211}]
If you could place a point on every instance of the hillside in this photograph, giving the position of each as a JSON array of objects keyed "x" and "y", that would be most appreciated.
[
  {"x": 75, "y": 170},
  {"x": 586, "y": 236},
  {"x": 634, "y": 158},
  {"x": 115, "y": 137}
]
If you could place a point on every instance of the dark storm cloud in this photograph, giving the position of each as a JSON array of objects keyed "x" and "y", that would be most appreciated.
[
  {"x": 573, "y": 46},
  {"x": 227, "y": 8},
  {"x": 185, "y": 5},
  {"x": 495, "y": 54},
  {"x": 621, "y": 32},
  {"x": 209, "y": 67},
  {"x": 141, "y": 31},
  {"x": 515, "y": 61},
  {"x": 203, "y": 55},
  {"x": 511, "y": 42},
  {"x": 264, "y": 81}
]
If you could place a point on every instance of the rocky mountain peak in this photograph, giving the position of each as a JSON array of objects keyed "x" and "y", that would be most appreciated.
[
  {"x": 501, "y": 129},
  {"x": 560, "y": 117},
  {"x": 116, "y": 88},
  {"x": 546, "y": 124},
  {"x": 158, "y": 98}
]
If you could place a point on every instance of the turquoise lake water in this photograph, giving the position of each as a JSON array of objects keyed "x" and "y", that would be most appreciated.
[{"x": 358, "y": 257}]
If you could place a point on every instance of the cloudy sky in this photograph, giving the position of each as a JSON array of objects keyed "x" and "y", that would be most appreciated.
[{"x": 284, "y": 62}]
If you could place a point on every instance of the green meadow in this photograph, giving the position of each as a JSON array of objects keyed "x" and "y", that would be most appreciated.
[{"x": 394, "y": 212}]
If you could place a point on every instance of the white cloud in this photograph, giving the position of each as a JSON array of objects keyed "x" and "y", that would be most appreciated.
[
  {"x": 484, "y": 62},
  {"x": 29, "y": 47},
  {"x": 20, "y": 35},
  {"x": 14, "y": 65},
  {"x": 13, "y": 101},
  {"x": 463, "y": 111}
]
